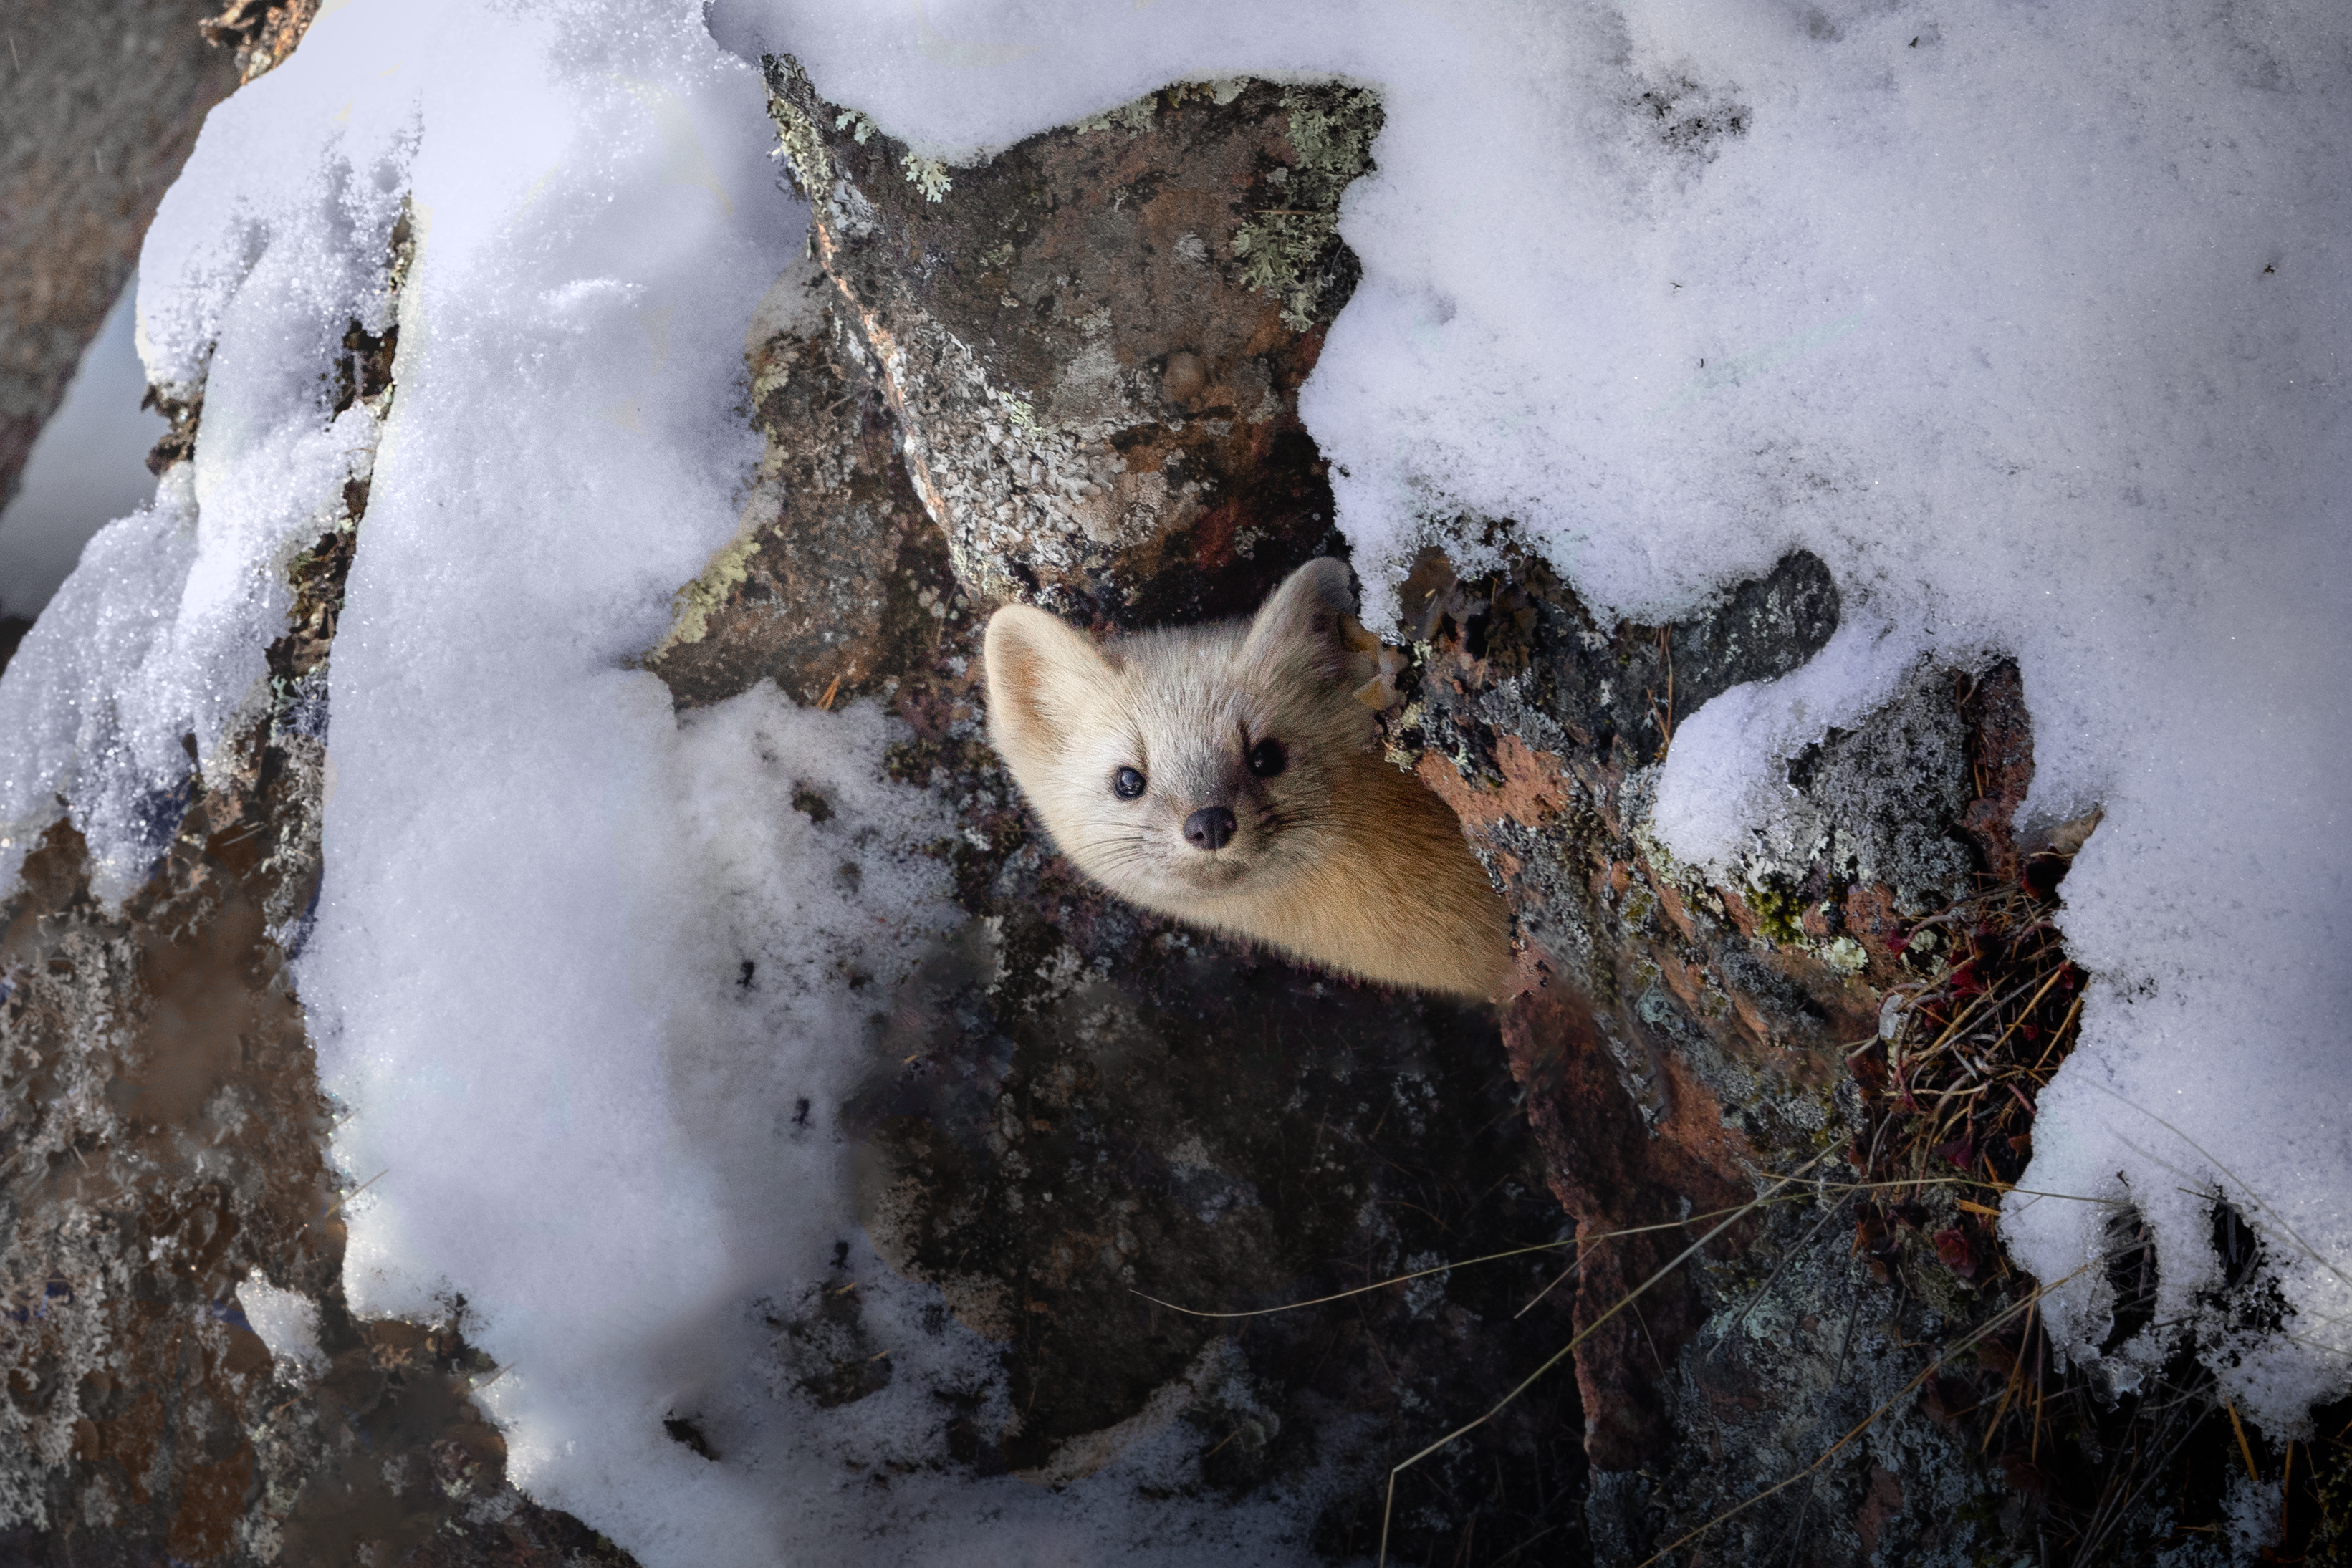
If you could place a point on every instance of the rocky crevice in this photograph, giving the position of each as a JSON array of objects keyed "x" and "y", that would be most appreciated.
[
  {"x": 1081, "y": 1120},
  {"x": 1031, "y": 331}
]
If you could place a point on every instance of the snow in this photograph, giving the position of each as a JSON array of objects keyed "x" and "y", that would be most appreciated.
[
  {"x": 2031, "y": 323},
  {"x": 87, "y": 466},
  {"x": 89, "y": 714},
  {"x": 288, "y": 1322}
]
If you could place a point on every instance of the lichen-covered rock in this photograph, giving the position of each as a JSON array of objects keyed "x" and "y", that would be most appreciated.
[
  {"x": 262, "y": 32},
  {"x": 1074, "y": 1124},
  {"x": 1668, "y": 1057},
  {"x": 1877, "y": 805},
  {"x": 1093, "y": 342},
  {"x": 165, "y": 1136},
  {"x": 833, "y": 588}
]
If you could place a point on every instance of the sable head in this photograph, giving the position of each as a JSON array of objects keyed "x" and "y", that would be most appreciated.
[{"x": 1188, "y": 767}]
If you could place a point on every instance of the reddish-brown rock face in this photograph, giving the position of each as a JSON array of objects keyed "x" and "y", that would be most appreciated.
[{"x": 1660, "y": 1050}]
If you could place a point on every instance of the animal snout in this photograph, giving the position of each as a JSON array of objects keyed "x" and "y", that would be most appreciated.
[{"x": 1209, "y": 828}]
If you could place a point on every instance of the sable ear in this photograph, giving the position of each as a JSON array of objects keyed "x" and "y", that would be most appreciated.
[
  {"x": 1312, "y": 613},
  {"x": 1038, "y": 673}
]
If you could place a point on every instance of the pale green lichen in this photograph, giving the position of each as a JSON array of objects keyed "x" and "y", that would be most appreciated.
[
  {"x": 802, "y": 141},
  {"x": 1132, "y": 117},
  {"x": 771, "y": 375},
  {"x": 1136, "y": 118},
  {"x": 699, "y": 600},
  {"x": 801, "y": 144},
  {"x": 1846, "y": 956},
  {"x": 1278, "y": 255},
  {"x": 1293, "y": 251},
  {"x": 1332, "y": 128},
  {"x": 928, "y": 175},
  {"x": 1024, "y": 417}
]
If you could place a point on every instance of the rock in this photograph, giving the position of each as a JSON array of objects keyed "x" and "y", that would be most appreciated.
[
  {"x": 1664, "y": 1056},
  {"x": 103, "y": 107},
  {"x": 1879, "y": 804},
  {"x": 1075, "y": 1124},
  {"x": 165, "y": 1144},
  {"x": 1678, "y": 1225},
  {"x": 262, "y": 32},
  {"x": 838, "y": 587},
  {"x": 1093, "y": 343}
]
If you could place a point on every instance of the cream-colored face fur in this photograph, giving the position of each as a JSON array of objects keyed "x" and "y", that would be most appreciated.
[{"x": 1123, "y": 747}]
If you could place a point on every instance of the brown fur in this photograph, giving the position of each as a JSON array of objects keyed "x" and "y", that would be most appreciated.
[{"x": 1339, "y": 859}]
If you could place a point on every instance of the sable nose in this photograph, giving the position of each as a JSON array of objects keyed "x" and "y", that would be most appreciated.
[{"x": 1209, "y": 828}]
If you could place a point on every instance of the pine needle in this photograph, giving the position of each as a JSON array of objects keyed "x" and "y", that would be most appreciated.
[{"x": 2244, "y": 1448}]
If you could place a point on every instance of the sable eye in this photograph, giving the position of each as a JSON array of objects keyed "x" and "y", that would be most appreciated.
[
  {"x": 1268, "y": 759},
  {"x": 1127, "y": 783}
]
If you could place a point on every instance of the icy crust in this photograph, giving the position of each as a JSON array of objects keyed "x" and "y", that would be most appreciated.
[
  {"x": 288, "y": 1322},
  {"x": 76, "y": 708},
  {"x": 138, "y": 667},
  {"x": 2031, "y": 324}
]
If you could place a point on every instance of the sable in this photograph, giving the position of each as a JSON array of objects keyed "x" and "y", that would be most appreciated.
[{"x": 1228, "y": 776}]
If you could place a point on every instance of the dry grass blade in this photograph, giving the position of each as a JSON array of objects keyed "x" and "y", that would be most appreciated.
[
  {"x": 2113, "y": 1509},
  {"x": 1786, "y": 1257},
  {"x": 1776, "y": 1195},
  {"x": 1443, "y": 1268},
  {"x": 331, "y": 1210},
  {"x": 1358, "y": 1290},
  {"x": 2244, "y": 1448},
  {"x": 469, "y": 1387},
  {"x": 1913, "y": 1183},
  {"x": 2010, "y": 1385}
]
